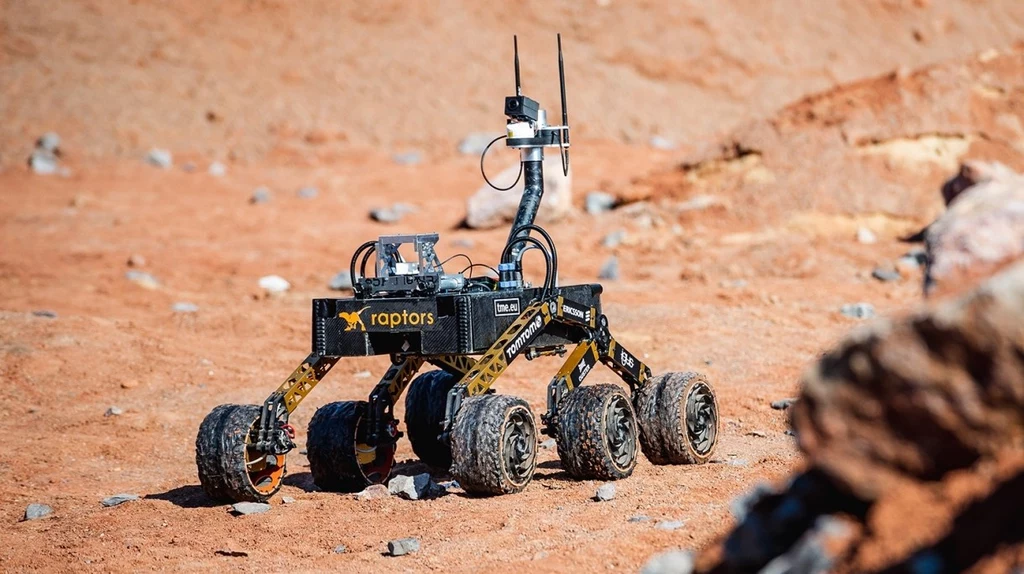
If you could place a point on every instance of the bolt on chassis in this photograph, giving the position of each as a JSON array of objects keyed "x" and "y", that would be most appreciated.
[{"x": 470, "y": 328}]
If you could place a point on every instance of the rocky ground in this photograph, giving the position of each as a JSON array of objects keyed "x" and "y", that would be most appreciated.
[{"x": 132, "y": 288}]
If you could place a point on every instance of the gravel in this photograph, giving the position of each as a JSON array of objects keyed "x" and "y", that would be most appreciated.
[
  {"x": 274, "y": 284},
  {"x": 403, "y": 546},
  {"x": 245, "y": 508},
  {"x": 610, "y": 269},
  {"x": 886, "y": 275},
  {"x": 598, "y": 202},
  {"x": 605, "y": 492},
  {"x": 160, "y": 158},
  {"x": 858, "y": 310},
  {"x": 260, "y": 195},
  {"x": 342, "y": 281},
  {"x": 671, "y": 562},
  {"x": 118, "y": 499},
  {"x": 36, "y": 511}
]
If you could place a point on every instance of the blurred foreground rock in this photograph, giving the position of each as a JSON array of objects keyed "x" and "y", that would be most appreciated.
[
  {"x": 982, "y": 228},
  {"x": 928, "y": 408},
  {"x": 491, "y": 208}
]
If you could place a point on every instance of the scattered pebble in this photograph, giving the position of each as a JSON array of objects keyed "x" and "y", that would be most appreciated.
[
  {"x": 866, "y": 236},
  {"x": 610, "y": 269},
  {"x": 113, "y": 412},
  {"x": 419, "y": 487},
  {"x": 118, "y": 499},
  {"x": 733, "y": 283},
  {"x": 671, "y": 562},
  {"x": 858, "y": 310},
  {"x": 540, "y": 555},
  {"x": 474, "y": 143},
  {"x": 308, "y": 192},
  {"x": 160, "y": 158},
  {"x": 342, "y": 281},
  {"x": 189, "y": 167},
  {"x": 407, "y": 158},
  {"x": 274, "y": 284},
  {"x": 287, "y": 499},
  {"x": 740, "y": 462},
  {"x": 142, "y": 279},
  {"x": 184, "y": 307},
  {"x": 908, "y": 264},
  {"x": 245, "y": 508},
  {"x": 463, "y": 242},
  {"x": 129, "y": 384},
  {"x": 49, "y": 142},
  {"x": 598, "y": 202},
  {"x": 639, "y": 518},
  {"x": 42, "y": 162},
  {"x": 45, "y": 313},
  {"x": 549, "y": 443},
  {"x": 886, "y": 275},
  {"x": 783, "y": 404},
  {"x": 662, "y": 143},
  {"x": 36, "y": 511},
  {"x": 136, "y": 260},
  {"x": 392, "y": 214},
  {"x": 614, "y": 239},
  {"x": 670, "y": 525},
  {"x": 260, "y": 195},
  {"x": 403, "y": 546},
  {"x": 231, "y": 553},
  {"x": 217, "y": 169},
  {"x": 605, "y": 492},
  {"x": 757, "y": 434},
  {"x": 790, "y": 432},
  {"x": 372, "y": 492},
  {"x": 340, "y": 549}
]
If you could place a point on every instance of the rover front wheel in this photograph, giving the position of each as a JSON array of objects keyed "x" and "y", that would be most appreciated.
[
  {"x": 425, "y": 403},
  {"x": 678, "y": 416},
  {"x": 230, "y": 470},
  {"x": 597, "y": 433},
  {"x": 340, "y": 458},
  {"x": 494, "y": 445}
]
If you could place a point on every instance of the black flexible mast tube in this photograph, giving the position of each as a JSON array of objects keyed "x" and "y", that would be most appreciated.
[{"x": 533, "y": 191}]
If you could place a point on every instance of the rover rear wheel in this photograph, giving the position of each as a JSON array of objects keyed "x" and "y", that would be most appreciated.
[
  {"x": 597, "y": 433},
  {"x": 340, "y": 459},
  {"x": 424, "y": 410},
  {"x": 494, "y": 445},
  {"x": 678, "y": 416},
  {"x": 229, "y": 469}
]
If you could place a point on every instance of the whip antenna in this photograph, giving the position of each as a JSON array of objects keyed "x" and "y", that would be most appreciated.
[{"x": 519, "y": 85}]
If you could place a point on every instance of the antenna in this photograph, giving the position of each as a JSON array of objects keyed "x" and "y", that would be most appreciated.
[
  {"x": 561, "y": 85},
  {"x": 519, "y": 86}
]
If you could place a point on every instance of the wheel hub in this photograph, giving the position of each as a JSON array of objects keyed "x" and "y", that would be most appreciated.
[
  {"x": 620, "y": 432},
  {"x": 519, "y": 441},
  {"x": 701, "y": 419}
]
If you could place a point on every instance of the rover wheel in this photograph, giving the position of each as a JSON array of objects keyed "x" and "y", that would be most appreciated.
[
  {"x": 678, "y": 416},
  {"x": 597, "y": 433},
  {"x": 424, "y": 410},
  {"x": 494, "y": 445},
  {"x": 339, "y": 458},
  {"x": 229, "y": 470}
]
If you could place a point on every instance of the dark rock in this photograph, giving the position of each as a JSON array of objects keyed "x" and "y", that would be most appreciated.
[
  {"x": 858, "y": 310},
  {"x": 45, "y": 313},
  {"x": 403, "y": 546},
  {"x": 260, "y": 196},
  {"x": 598, "y": 202},
  {"x": 342, "y": 281},
  {"x": 419, "y": 487},
  {"x": 886, "y": 275},
  {"x": 118, "y": 499},
  {"x": 36, "y": 511},
  {"x": 245, "y": 508},
  {"x": 783, "y": 404}
]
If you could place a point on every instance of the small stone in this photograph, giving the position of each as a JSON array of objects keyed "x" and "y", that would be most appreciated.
[
  {"x": 217, "y": 169},
  {"x": 789, "y": 432},
  {"x": 129, "y": 384},
  {"x": 308, "y": 192},
  {"x": 274, "y": 284},
  {"x": 671, "y": 562},
  {"x": 142, "y": 279},
  {"x": 340, "y": 549},
  {"x": 245, "y": 508},
  {"x": 160, "y": 158},
  {"x": 419, "y": 487},
  {"x": 669, "y": 525},
  {"x": 757, "y": 434},
  {"x": 783, "y": 404},
  {"x": 189, "y": 167},
  {"x": 118, "y": 499},
  {"x": 549, "y": 443},
  {"x": 605, "y": 492},
  {"x": 639, "y": 518},
  {"x": 49, "y": 142},
  {"x": 858, "y": 310},
  {"x": 184, "y": 307},
  {"x": 463, "y": 243},
  {"x": 598, "y": 202},
  {"x": 113, "y": 412},
  {"x": 45, "y": 313},
  {"x": 908, "y": 264},
  {"x": 342, "y": 281},
  {"x": 662, "y": 143},
  {"x": 407, "y": 158},
  {"x": 866, "y": 236},
  {"x": 42, "y": 162},
  {"x": 136, "y": 260},
  {"x": 540, "y": 555},
  {"x": 474, "y": 143},
  {"x": 403, "y": 546},
  {"x": 259, "y": 196},
  {"x": 287, "y": 499},
  {"x": 385, "y": 215},
  {"x": 610, "y": 269},
  {"x": 614, "y": 239},
  {"x": 36, "y": 511},
  {"x": 885, "y": 275},
  {"x": 372, "y": 492},
  {"x": 738, "y": 462},
  {"x": 733, "y": 284}
]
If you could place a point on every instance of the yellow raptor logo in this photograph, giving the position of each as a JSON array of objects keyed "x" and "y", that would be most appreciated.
[{"x": 353, "y": 320}]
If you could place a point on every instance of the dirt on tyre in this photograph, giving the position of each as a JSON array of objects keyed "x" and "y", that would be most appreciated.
[
  {"x": 597, "y": 433},
  {"x": 678, "y": 418},
  {"x": 340, "y": 459},
  {"x": 494, "y": 445},
  {"x": 425, "y": 402},
  {"x": 229, "y": 469}
]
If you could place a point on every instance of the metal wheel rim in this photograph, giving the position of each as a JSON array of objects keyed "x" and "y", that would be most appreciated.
[
  {"x": 701, "y": 419},
  {"x": 518, "y": 439},
  {"x": 620, "y": 432}
]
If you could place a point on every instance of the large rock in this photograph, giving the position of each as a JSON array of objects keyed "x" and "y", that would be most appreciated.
[
  {"x": 491, "y": 208},
  {"x": 982, "y": 228}
]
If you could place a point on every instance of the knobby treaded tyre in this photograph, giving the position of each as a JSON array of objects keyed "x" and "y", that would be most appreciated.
[
  {"x": 494, "y": 445},
  {"x": 220, "y": 455},
  {"x": 597, "y": 433},
  {"x": 331, "y": 449},
  {"x": 678, "y": 418},
  {"x": 425, "y": 403}
]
